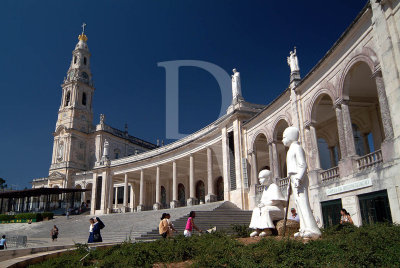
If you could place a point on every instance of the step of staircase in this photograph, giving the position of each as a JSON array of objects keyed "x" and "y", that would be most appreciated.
[{"x": 223, "y": 217}]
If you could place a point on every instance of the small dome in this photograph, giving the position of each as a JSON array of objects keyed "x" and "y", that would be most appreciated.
[{"x": 81, "y": 45}]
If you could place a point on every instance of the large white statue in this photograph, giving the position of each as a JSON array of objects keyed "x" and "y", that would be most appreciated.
[
  {"x": 296, "y": 169},
  {"x": 293, "y": 62},
  {"x": 236, "y": 86},
  {"x": 270, "y": 208}
]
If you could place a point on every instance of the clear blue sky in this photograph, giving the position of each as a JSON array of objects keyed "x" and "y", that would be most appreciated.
[{"x": 127, "y": 39}]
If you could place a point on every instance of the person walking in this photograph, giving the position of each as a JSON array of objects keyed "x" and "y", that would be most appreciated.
[
  {"x": 190, "y": 225},
  {"x": 3, "y": 243},
  {"x": 98, "y": 225},
  {"x": 54, "y": 233},
  {"x": 91, "y": 235}
]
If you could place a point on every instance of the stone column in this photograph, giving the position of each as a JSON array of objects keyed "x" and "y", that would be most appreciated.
[
  {"x": 115, "y": 197},
  {"x": 210, "y": 197},
  {"x": 238, "y": 155},
  {"x": 254, "y": 169},
  {"x": 104, "y": 192},
  {"x": 348, "y": 129},
  {"x": 125, "y": 205},
  {"x": 174, "y": 203},
  {"x": 340, "y": 127},
  {"x": 226, "y": 163},
  {"x": 271, "y": 159},
  {"x": 275, "y": 166},
  {"x": 132, "y": 197},
  {"x": 384, "y": 106},
  {"x": 94, "y": 191},
  {"x": 141, "y": 193},
  {"x": 157, "y": 204},
  {"x": 110, "y": 194},
  {"x": 192, "y": 199},
  {"x": 314, "y": 147}
]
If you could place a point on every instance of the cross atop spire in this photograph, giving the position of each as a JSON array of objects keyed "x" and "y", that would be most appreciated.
[{"x": 83, "y": 27}]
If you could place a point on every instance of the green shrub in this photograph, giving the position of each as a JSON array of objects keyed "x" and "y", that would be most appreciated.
[
  {"x": 4, "y": 217},
  {"x": 241, "y": 230},
  {"x": 48, "y": 215},
  {"x": 368, "y": 246}
]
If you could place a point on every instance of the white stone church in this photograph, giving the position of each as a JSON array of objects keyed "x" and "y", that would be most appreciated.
[{"x": 345, "y": 108}]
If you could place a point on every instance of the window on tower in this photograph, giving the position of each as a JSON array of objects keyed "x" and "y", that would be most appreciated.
[
  {"x": 74, "y": 59},
  {"x": 84, "y": 98},
  {"x": 84, "y": 60},
  {"x": 68, "y": 98}
]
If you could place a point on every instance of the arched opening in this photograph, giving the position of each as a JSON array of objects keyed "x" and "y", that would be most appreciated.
[
  {"x": 181, "y": 195},
  {"x": 280, "y": 148},
  {"x": 84, "y": 98},
  {"x": 200, "y": 191},
  {"x": 324, "y": 122},
  {"x": 361, "y": 91},
  {"x": 68, "y": 98},
  {"x": 74, "y": 59},
  {"x": 262, "y": 160},
  {"x": 84, "y": 60},
  {"x": 219, "y": 188},
  {"x": 163, "y": 197}
]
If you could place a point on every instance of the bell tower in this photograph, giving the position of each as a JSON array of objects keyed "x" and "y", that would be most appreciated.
[
  {"x": 75, "y": 115},
  {"x": 77, "y": 90}
]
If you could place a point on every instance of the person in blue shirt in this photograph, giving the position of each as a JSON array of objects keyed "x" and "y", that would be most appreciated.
[{"x": 3, "y": 242}]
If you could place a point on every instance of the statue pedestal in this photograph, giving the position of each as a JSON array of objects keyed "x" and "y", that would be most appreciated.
[
  {"x": 192, "y": 201},
  {"x": 140, "y": 208},
  {"x": 211, "y": 198},
  {"x": 125, "y": 209},
  {"x": 174, "y": 204},
  {"x": 157, "y": 206}
]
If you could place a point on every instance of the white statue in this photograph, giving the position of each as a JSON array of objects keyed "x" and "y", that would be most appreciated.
[
  {"x": 270, "y": 208},
  {"x": 60, "y": 151},
  {"x": 106, "y": 149},
  {"x": 296, "y": 169},
  {"x": 293, "y": 62},
  {"x": 102, "y": 118},
  {"x": 236, "y": 87}
]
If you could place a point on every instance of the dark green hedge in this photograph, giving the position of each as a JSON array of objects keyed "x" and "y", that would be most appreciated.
[
  {"x": 368, "y": 246},
  {"x": 27, "y": 216}
]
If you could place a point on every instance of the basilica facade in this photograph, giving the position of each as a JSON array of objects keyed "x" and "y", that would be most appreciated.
[{"x": 345, "y": 109}]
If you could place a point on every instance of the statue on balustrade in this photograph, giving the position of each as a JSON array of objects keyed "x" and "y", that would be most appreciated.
[
  {"x": 270, "y": 208},
  {"x": 296, "y": 171}
]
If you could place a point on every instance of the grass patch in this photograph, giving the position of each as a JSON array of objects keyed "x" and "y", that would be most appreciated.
[{"x": 367, "y": 246}]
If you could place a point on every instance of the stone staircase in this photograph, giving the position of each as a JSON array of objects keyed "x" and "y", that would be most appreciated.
[
  {"x": 223, "y": 217},
  {"x": 119, "y": 226}
]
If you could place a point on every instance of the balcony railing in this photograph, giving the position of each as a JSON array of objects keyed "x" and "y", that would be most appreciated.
[
  {"x": 283, "y": 183},
  {"x": 369, "y": 160},
  {"x": 330, "y": 174}
]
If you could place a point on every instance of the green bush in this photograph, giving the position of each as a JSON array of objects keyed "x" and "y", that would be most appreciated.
[
  {"x": 4, "y": 217},
  {"x": 368, "y": 246},
  {"x": 241, "y": 230},
  {"x": 29, "y": 216},
  {"x": 48, "y": 215}
]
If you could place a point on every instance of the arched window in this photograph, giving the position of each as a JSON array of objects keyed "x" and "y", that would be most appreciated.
[
  {"x": 84, "y": 60},
  {"x": 181, "y": 195},
  {"x": 200, "y": 191},
  {"x": 74, "y": 59},
  {"x": 68, "y": 98},
  {"x": 84, "y": 98}
]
